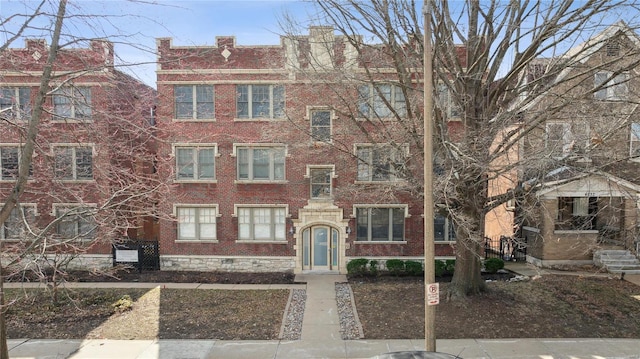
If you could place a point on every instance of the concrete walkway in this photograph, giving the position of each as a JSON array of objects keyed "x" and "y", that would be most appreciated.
[
  {"x": 321, "y": 320},
  {"x": 530, "y": 270}
]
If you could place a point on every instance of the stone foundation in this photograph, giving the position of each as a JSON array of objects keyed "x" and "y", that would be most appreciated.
[
  {"x": 79, "y": 262},
  {"x": 227, "y": 263}
]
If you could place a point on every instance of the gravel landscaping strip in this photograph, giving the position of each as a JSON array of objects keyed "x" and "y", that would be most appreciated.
[
  {"x": 350, "y": 327},
  {"x": 292, "y": 323}
]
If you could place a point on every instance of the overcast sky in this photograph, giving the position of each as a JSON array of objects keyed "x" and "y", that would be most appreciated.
[{"x": 252, "y": 22}]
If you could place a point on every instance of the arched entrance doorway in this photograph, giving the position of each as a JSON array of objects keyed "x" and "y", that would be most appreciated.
[{"x": 320, "y": 245}]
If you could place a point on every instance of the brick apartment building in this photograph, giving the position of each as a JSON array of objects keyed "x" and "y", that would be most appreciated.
[
  {"x": 273, "y": 169},
  {"x": 91, "y": 151},
  {"x": 259, "y": 158}
]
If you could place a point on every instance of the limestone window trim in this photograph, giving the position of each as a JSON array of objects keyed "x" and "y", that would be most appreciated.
[
  {"x": 309, "y": 119},
  {"x": 32, "y": 206},
  {"x": 275, "y": 177},
  {"x": 74, "y": 164},
  {"x": 272, "y": 240},
  {"x": 195, "y": 145},
  {"x": 174, "y": 213}
]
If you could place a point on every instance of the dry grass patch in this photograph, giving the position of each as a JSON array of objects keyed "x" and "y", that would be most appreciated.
[
  {"x": 550, "y": 307},
  {"x": 156, "y": 313}
]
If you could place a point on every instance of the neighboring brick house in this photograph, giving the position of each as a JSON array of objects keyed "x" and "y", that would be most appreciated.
[
  {"x": 93, "y": 149},
  {"x": 270, "y": 172},
  {"x": 585, "y": 148}
]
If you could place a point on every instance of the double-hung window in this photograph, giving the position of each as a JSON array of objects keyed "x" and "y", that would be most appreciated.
[
  {"x": 72, "y": 103},
  {"x": 379, "y": 162},
  {"x": 196, "y": 163},
  {"x": 260, "y": 101},
  {"x": 194, "y": 102},
  {"x": 261, "y": 223},
  {"x": 196, "y": 223},
  {"x": 577, "y": 213},
  {"x": 380, "y": 224},
  {"x": 260, "y": 163},
  {"x": 443, "y": 230},
  {"x": 10, "y": 162},
  {"x": 610, "y": 87},
  {"x": 73, "y": 163},
  {"x": 559, "y": 138},
  {"x": 321, "y": 125},
  {"x": 16, "y": 226},
  {"x": 15, "y": 103},
  {"x": 447, "y": 103},
  {"x": 76, "y": 222},
  {"x": 564, "y": 138},
  {"x": 321, "y": 182},
  {"x": 382, "y": 101},
  {"x": 635, "y": 140}
]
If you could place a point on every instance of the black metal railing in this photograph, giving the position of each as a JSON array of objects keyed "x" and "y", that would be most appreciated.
[
  {"x": 148, "y": 254},
  {"x": 506, "y": 248}
]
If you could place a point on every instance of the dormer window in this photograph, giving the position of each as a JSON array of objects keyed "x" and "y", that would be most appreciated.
[{"x": 610, "y": 87}]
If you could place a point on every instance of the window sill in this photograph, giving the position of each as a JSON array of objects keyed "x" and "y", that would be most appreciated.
[
  {"x": 443, "y": 242},
  {"x": 196, "y": 181},
  {"x": 260, "y": 182},
  {"x": 378, "y": 182},
  {"x": 612, "y": 99},
  {"x": 321, "y": 199},
  {"x": 259, "y": 119},
  {"x": 74, "y": 240},
  {"x": 196, "y": 241},
  {"x": 75, "y": 181},
  {"x": 316, "y": 143},
  {"x": 70, "y": 120},
  {"x": 13, "y": 180},
  {"x": 383, "y": 119},
  {"x": 584, "y": 159},
  {"x": 379, "y": 242},
  {"x": 253, "y": 241},
  {"x": 193, "y": 120},
  {"x": 573, "y": 231}
]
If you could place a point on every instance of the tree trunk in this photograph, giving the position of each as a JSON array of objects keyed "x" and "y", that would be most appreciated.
[
  {"x": 4, "y": 348},
  {"x": 27, "y": 156},
  {"x": 467, "y": 279}
]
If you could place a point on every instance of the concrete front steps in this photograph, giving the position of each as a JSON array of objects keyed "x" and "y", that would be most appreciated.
[{"x": 617, "y": 261}]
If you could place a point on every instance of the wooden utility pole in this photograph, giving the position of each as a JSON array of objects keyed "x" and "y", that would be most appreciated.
[{"x": 429, "y": 257}]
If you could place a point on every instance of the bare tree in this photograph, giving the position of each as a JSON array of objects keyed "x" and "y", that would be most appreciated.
[
  {"x": 493, "y": 62},
  {"x": 78, "y": 150}
]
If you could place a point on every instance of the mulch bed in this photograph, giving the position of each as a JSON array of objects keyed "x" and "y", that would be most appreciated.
[{"x": 125, "y": 275}]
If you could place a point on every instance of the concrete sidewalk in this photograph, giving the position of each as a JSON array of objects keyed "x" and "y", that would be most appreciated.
[{"x": 326, "y": 348}]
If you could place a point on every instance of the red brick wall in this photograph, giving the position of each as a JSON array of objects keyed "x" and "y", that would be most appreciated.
[
  {"x": 119, "y": 104},
  {"x": 224, "y": 131}
]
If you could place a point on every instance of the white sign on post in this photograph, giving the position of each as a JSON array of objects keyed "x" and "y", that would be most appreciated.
[
  {"x": 433, "y": 294},
  {"x": 126, "y": 255}
]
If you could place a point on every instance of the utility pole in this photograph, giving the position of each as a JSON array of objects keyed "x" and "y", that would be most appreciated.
[{"x": 429, "y": 256}]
